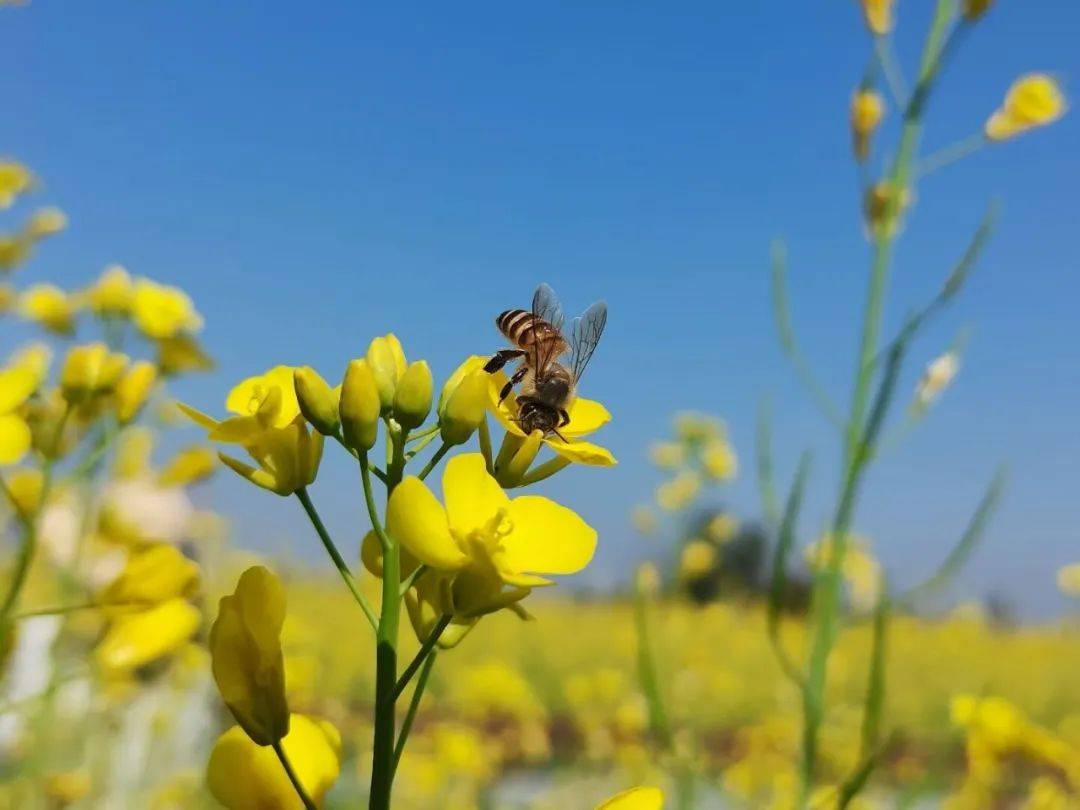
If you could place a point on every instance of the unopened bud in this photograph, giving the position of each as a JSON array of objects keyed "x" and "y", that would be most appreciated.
[
  {"x": 412, "y": 400},
  {"x": 318, "y": 402},
  {"x": 359, "y": 406},
  {"x": 89, "y": 370},
  {"x": 387, "y": 361},
  {"x": 133, "y": 389},
  {"x": 463, "y": 402}
]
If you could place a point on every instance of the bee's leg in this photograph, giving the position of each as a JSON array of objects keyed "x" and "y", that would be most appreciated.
[
  {"x": 518, "y": 376},
  {"x": 556, "y": 432},
  {"x": 564, "y": 417},
  {"x": 501, "y": 358}
]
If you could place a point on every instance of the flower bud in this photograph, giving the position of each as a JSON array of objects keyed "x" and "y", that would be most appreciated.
[
  {"x": 883, "y": 207},
  {"x": 412, "y": 400},
  {"x": 463, "y": 401},
  {"x": 1034, "y": 100},
  {"x": 318, "y": 403},
  {"x": 359, "y": 406},
  {"x": 387, "y": 361},
  {"x": 879, "y": 15},
  {"x": 867, "y": 110},
  {"x": 89, "y": 370},
  {"x": 45, "y": 222},
  {"x": 110, "y": 295},
  {"x": 25, "y": 488},
  {"x": 246, "y": 659},
  {"x": 133, "y": 390}
]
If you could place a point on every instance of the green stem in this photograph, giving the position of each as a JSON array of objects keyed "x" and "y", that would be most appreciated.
[
  {"x": 335, "y": 556},
  {"x": 414, "y": 705},
  {"x": 950, "y": 154},
  {"x": 444, "y": 448},
  {"x": 284, "y": 760},
  {"x": 425, "y": 649},
  {"x": 890, "y": 69},
  {"x": 382, "y": 757},
  {"x": 369, "y": 500},
  {"x": 647, "y": 673}
]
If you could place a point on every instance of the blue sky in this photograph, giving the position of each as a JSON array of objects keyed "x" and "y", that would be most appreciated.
[{"x": 315, "y": 176}]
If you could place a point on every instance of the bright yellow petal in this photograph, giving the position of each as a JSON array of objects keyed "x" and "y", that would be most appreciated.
[
  {"x": 197, "y": 416},
  {"x": 547, "y": 538},
  {"x": 583, "y": 452},
  {"x": 16, "y": 386},
  {"x": 416, "y": 519},
  {"x": 473, "y": 497},
  {"x": 639, "y": 798},
  {"x": 237, "y": 430},
  {"x": 586, "y": 416},
  {"x": 15, "y": 439}
]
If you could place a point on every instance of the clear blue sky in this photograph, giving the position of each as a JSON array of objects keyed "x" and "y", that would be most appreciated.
[{"x": 315, "y": 175}]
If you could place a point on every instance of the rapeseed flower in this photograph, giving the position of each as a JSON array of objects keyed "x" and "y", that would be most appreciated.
[
  {"x": 152, "y": 575},
  {"x": 360, "y": 405},
  {"x": 189, "y": 466},
  {"x": 17, "y": 384},
  {"x": 161, "y": 311},
  {"x": 639, "y": 798},
  {"x": 245, "y": 648},
  {"x": 137, "y": 639},
  {"x": 49, "y": 306},
  {"x": 463, "y": 401},
  {"x": 698, "y": 559},
  {"x": 586, "y": 416},
  {"x": 133, "y": 389},
  {"x": 15, "y": 179},
  {"x": 878, "y": 15},
  {"x": 387, "y": 361},
  {"x": 484, "y": 538},
  {"x": 111, "y": 294},
  {"x": 317, "y": 401},
  {"x": 412, "y": 397},
  {"x": 867, "y": 110},
  {"x": 245, "y": 776},
  {"x": 1033, "y": 100},
  {"x": 89, "y": 371}
]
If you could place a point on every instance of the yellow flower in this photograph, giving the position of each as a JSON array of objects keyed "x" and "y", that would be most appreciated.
[
  {"x": 268, "y": 424},
  {"x": 936, "y": 378},
  {"x": 134, "y": 640},
  {"x": 698, "y": 427},
  {"x": 90, "y": 370},
  {"x": 586, "y": 416},
  {"x": 245, "y": 646},
  {"x": 463, "y": 401},
  {"x": 152, "y": 575},
  {"x": 1068, "y": 579},
  {"x": 189, "y": 466},
  {"x": 49, "y": 306},
  {"x": 25, "y": 488},
  {"x": 973, "y": 9},
  {"x": 244, "y": 776},
  {"x": 182, "y": 353},
  {"x": 882, "y": 207},
  {"x": 359, "y": 406},
  {"x": 879, "y": 15},
  {"x": 719, "y": 461},
  {"x": 18, "y": 382},
  {"x": 667, "y": 455},
  {"x": 66, "y": 787},
  {"x": 679, "y": 492},
  {"x": 1034, "y": 100},
  {"x": 639, "y": 798},
  {"x": 45, "y": 222},
  {"x": 133, "y": 389},
  {"x": 14, "y": 250},
  {"x": 387, "y": 361},
  {"x": 723, "y": 528},
  {"x": 111, "y": 294},
  {"x": 161, "y": 311},
  {"x": 867, "y": 110},
  {"x": 698, "y": 559},
  {"x": 486, "y": 539},
  {"x": 14, "y": 180}
]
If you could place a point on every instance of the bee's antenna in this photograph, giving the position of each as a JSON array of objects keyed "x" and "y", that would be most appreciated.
[{"x": 556, "y": 432}]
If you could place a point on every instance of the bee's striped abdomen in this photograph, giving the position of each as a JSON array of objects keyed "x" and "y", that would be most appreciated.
[{"x": 517, "y": 325}]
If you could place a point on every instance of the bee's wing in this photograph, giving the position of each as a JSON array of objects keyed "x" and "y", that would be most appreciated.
[
  {"x": 585, "y": 333},
  {"x": 546, "y": 308}
]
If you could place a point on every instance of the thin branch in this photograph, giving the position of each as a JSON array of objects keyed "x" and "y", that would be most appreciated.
[
  {"x": 297, "y": 785},
  {"x": 414, "y": 705},
  {"x": 427, "y": 647}
]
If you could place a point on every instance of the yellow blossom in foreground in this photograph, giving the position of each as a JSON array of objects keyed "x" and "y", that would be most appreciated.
[
  {"x": 1033, "y": 101},
  {"x": 937, "y": 377},
  {"x": 111, "y": 294},
  {"x": 14, "y": 180},
  {"x": 878, "y": 15},
  {"x": 586, "y": 416},
  {"x": 161, "y": 311},
  {"x": 639, "y": 798},
  {"x": 867, "y": 110},
  {"x": 17, "y": 383},
  {"x": 244, "y": 776},
  {"x": 245, "y": 646},
  {"x": 484, "y": 538},
  {"x": 134, "y": 640},
  {"x": 152, "y": 575},
  {"x": 698, "y": 559},
  {"x": 49, "y": 306},
  {"x": 1068, "y": 579}
]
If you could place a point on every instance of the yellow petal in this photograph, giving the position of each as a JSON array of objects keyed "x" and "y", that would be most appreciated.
[
  {"x": 416, "y": 519},
  {"x": 16, "y": 386},
  {"x": 15, "y": 439},
  {"x": 237, "y": 430},
  {"x": 197, "y": 416},
  {"x": 472, "y": 496},
  {"x": 639, "y": 798},
  {"x": 586, "y": 416},
  {"x": 547, "y": 538},
  {"x": 583, "y": 452}
]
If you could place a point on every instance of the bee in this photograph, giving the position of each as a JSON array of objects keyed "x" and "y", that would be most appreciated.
[{"x": 548, "y": 385}]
